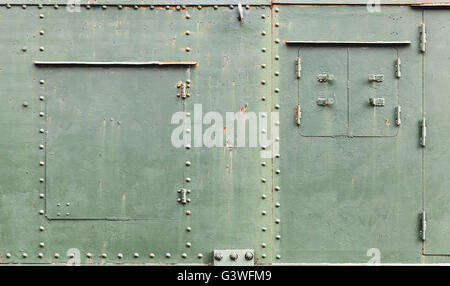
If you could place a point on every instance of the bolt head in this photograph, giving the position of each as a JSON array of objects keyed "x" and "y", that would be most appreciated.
[
  {"x": 233, "y": 256},
  {"x": 248, "y": 255},
  {"x": 218, "y": 256}
]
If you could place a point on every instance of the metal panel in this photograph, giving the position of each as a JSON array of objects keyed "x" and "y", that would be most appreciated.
[
  {"x": 366, "y": 119},
  {"x": 436, "y": 67},
  {"x": 341, "y": 197},
  {"x": 319, "y": 119}
]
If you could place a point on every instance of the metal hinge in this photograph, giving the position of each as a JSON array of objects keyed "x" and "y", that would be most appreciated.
[
  {"x": 423, "y": 132},
  {"x": 423, "y": 38},
  {"x": 298, "y": 114},
  {"x": 423, "y": 225},
  {"x": 182, "y": 89},
  {"x": 398, "y": 113},
  {"x": 397, "y": 67},
  {"x": 183, "y": 199},
  {"x": 298, "y": 67}
]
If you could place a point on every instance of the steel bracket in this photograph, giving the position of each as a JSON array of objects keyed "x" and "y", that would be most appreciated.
[{"x": 377, "y": 101}]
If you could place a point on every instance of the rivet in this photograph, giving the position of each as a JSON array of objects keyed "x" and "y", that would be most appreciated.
[
  {"x": 277, "y": 205},
  {"x": 184, "y": 255},
  {"x": 188, "y": 16},
  {"x": 263, "y": 212},
  {"x": 263, "y": 33},
  {"x": 263, "y": 66},
  {"x": 88, "y": 7},
  {"x": 263, "y": 245},
  {"x": 167, "y": 7},
  {"x": 24, "y": 6},
  {"x": 263, "y": 197},
  {"x": 188, "y": 229},
  {"x": 277, "y": 188},
  {"x": 41, "y": 32},
  {"x": 278, "y": 236},
  {"x": 187, "y": 49},
  {"x": 233, "y": 256},
  {"x": 68, "y": 204},
  {"x": 277, "y": 106},
  {"x": 277, "y": 58},
  {"x": 41, "y": 114},
  {"x": 264, "y": 229},
  {"x": 41, "y": 16},
  {"x": 218, "y": 256},
  {"x": 41, "y": 196},
  {"x": 277, "y": 90},
  {"x": 168, "y": 255},
  {"x": 136, "y": 255},
  {"x": 41, "y": 49},
  {"x": 24, "y": 49},
  {"x": 263, "y": 98},
  {"x": 89, "y": 255},
  {"x": 41, "y": 146},
  {"x": 187, "y": 33},
  {"x": 263, "y": 180},
  {"x": 278, "y": 171},
  {"x": 41, "y": 244},
  {"x": 263, "y": 16},
  {"x": 277, "y": 24},
  {"x": 8, "y": 6},
  {"x": 231, "y": 6},
  {"x": 104, "y": 7},
  {"x": 263, "y": 255},
  {"x": 71, "y": 255},
  {"x": 41, "y": 98},
  {"x": 200, "y": 255},
  {"x": 120, "y": 255},
  {"x": 41, "y": 212},
  {"x": 188, "y": 163},
  {"x": 199, "y": 7},
  {"x": 247, "y": 7},
  {"x": 41, "y": 163},
  {"x": 277, "y": 155},
  {"x": 188, "y": 180},
  {"x": 263, "y": 50},
  {"x": 136, "y": 7},
  {"x": 41, "y": 130},
  {"x": 277, "y": 73},
  {"x": 104, "y": 255},
  {"x": 277, "y": 9},
  {"x": 120, "y": 6},
  {"x": 188, "y": 244},
  {"x": 24, "y": 255},
  {"x": 248, "y": 255},
  {"x": 8, "y": 255},
  {"x": 25, "y": 103},
  {"x": 56, "y": 6},
  {"x": 178, "y": 7},
  {"x": 277, "y": 221},
  {"x": 188, "y": 147},
  {"x": 41, "y": 228},
  {"x": 152, "y": 255},
  {"x": 152, "y": 7},
  {"x": 41, "y": 180},
  {"x": 277, "y": 41},
  {"x": 56, "y": 255},
  {"x": 277, "y": 123},
  {"x": 263, "y": 164},
  {"x": 188, "y": 212},
  {"x": 263, "y": 82},
  {"x": 67, "y": 214},
  {"x": 278, "y": 256}
]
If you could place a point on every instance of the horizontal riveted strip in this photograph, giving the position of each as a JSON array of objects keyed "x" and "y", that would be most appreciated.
[
  {"x": 370, "y": 43},
  {"x": 136, "y": 2},
  {"x": 114, "y": 64}
]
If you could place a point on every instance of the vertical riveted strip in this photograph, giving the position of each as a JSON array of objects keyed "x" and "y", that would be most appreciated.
[{"x": 276, "y": 234}]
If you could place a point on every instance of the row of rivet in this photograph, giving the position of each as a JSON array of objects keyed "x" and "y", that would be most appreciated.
[
  {"x": 102, "y": 255},
  {"x": 276, "y": 100},
  {"x": 119, "y": 6}
]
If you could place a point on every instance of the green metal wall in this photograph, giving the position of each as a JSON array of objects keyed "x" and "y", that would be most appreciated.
[{"x": 86, "y": 160}]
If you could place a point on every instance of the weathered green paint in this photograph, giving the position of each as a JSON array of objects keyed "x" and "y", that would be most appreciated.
[{"x": 345, "y": 181}]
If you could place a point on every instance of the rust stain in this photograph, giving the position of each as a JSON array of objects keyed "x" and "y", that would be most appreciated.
[{"x": 388, "y": 123}]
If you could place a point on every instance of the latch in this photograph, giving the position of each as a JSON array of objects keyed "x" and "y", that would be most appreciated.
[
  {"x": 423, "y": 132},
  {"x": 324, "y": 77},
  {"x": 183, "y": 199},
  {"x": 182, "y": 89},
  {"x": 376, "y": 77},
  {"x": 234, "y": 257},
  {"x": 377, "y": 101},
  {"x": 423, "y": 226},
  {"x": 298, "y": 114},
  {"x": 324, "y": 101}
]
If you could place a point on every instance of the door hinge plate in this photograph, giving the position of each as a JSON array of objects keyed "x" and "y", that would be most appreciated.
[
  {"x": 397, "y": 67},
  {"x": 423, "y": 38},
  {"x": 423, "y": 226},
  {"x": 398, "y": 115},
  {"x": 234, "y": 257},
  {"x": 298, "y": 67},
  {"x": 298, "y": 114},
  {"x": 423, "y": 132}
]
